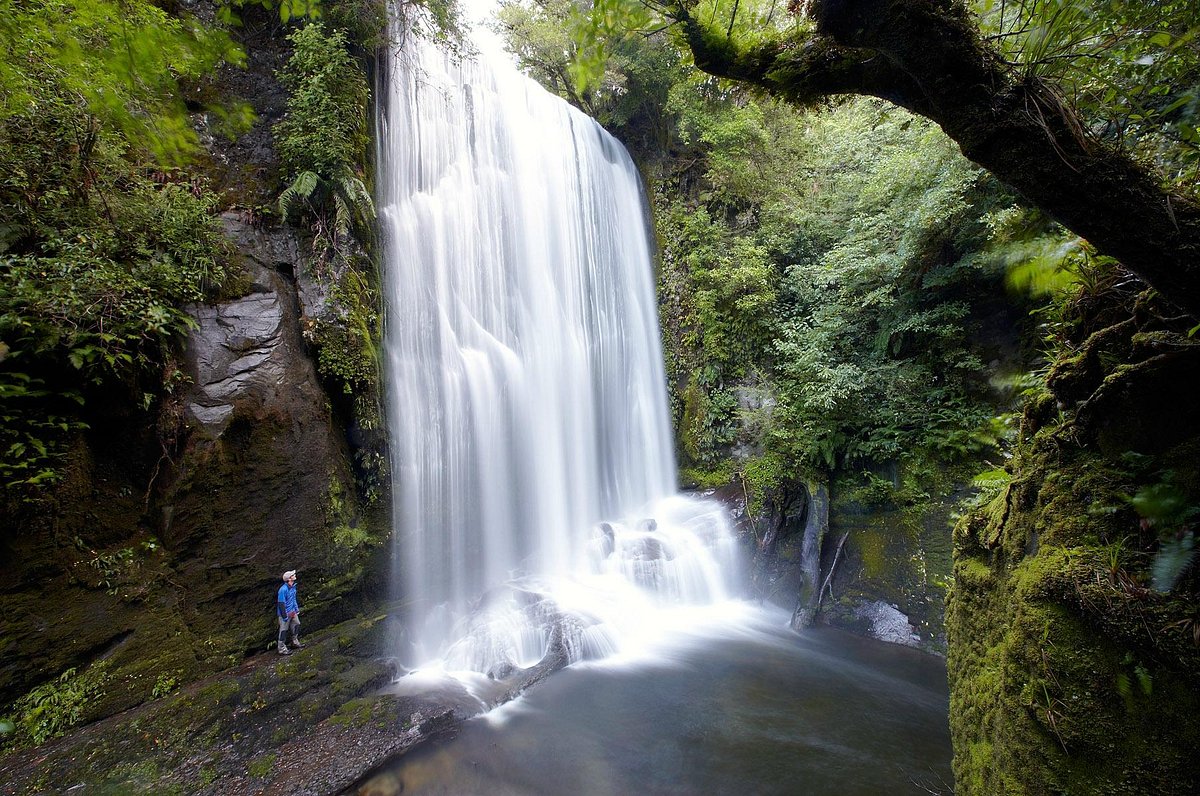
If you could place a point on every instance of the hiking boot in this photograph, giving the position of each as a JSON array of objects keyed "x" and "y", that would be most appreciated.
[{"x": 283, "y": 650}]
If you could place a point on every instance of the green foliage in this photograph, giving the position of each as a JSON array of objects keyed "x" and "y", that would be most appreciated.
[
  {"x": 761, "y": 477},
  {"x": 107, "y": 288},
  {"x": 990, "y": 484},
  {"x": 701, "y": 478},
  {"x": 600, "y": 28},
  {"x": 347, "y": 348},
  {"x": 874, "y": 358},
  {"x": 98, "y": 255},
  {"x": 707, "y": 423},
  {"x": 541, "y": 35},
  {"x": 633, "y": 73},
  {"x": 438, "y": 21},
  {"x": 324, "y": 128},
  {"x": 839, "y": 253},
  {"x": 1166, "y": 508},
  {"x": 365, "y": 21},
  {"x": 734, "y": 285},
  {"x": 31, "y": 438},
  {"x": 1131, "y": 69},
  {"x": 323, "y": 136},
  {"x": 262, "y": 765},
  {"x": 865, "y": 490},
  {"x": 118, "y": 62},
  {"x": 1135, "y": 673},
  {"x": 164, "y": 684},
  {"x": 53, "y": 708}
]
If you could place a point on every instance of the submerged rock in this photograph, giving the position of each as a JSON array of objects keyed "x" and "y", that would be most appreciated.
[
  {"x": 385, "y": 784},
  {"x": 608, "y": 540}
]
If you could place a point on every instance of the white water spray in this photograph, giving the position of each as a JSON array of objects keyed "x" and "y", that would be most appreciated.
[{"x": 532, "y": 467}]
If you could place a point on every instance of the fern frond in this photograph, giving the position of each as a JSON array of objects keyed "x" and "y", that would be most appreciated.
[
  {"x": 301, "y": 188},
  {"x": 351, "y": 191},
  {"x": 359, "y": 197},
  {"x": 342, "y": 213}
]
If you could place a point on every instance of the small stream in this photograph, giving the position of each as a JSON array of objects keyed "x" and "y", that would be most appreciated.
[{"x": 744, "y": 706}]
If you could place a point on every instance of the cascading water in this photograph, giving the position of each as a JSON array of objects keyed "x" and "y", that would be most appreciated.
[{"x": 533, "y": 475}]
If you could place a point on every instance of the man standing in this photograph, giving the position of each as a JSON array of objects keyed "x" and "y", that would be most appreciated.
[{"x": 288, "y": 611}]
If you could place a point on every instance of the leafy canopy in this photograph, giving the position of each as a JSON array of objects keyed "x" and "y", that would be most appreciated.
[{"x": 123, "y": 62}]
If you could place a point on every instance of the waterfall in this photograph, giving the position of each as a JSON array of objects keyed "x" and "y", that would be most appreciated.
[{"x": 533, "y": 475}]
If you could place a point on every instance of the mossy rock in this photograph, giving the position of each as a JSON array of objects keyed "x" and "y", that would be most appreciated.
[
  {"x": 1068, "y": 674},
  {"x": 209, "y": 736}
]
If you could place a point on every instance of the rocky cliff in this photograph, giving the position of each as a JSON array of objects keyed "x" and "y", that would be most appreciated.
[{"x": 156, "y": 560}]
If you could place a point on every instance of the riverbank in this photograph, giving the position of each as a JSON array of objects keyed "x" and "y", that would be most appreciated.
[{"x": 309, "y": 723}]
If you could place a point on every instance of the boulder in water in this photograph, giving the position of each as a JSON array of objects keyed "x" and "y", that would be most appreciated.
[
  {"x": 607, "y": 539},
  {"x": 648, "y": 549},
  {"x": 501, "y": 669},
  {"x": 888, "y": 623}
]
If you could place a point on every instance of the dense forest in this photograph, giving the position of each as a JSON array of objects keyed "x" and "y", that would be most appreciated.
[{"x": 929, "y": 269}]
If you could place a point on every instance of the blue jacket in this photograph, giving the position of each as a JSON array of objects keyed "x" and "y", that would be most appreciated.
[{"x": 285, "y": 603}]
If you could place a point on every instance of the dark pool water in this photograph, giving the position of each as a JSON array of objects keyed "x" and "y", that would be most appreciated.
[{"x": 754, "y": 709}]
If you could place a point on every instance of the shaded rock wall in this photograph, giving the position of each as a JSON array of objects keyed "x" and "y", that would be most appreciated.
[
  {"x": 891, "y": 576},
  {"x": 161, "y": 553}
]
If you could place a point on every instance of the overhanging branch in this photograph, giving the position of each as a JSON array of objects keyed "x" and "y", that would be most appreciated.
[{"x": 927, "y": 56}]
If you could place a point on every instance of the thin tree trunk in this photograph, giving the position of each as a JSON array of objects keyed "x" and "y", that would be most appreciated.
[{"x": 828, "y": 584}]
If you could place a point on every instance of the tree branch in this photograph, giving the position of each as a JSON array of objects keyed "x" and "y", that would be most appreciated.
[{"x": 928, "y": 56}]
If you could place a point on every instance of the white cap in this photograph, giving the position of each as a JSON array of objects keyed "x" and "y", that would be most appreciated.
[{"x": 291, "y": 573}]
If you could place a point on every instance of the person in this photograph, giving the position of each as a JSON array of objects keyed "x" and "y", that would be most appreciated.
[{"x": 288, "y": 611}]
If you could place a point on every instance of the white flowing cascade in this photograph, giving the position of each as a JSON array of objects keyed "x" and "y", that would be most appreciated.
[{"x": 533, "y": 477}]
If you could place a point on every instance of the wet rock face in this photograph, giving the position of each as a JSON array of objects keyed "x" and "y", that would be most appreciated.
[
  {"x": 239, "y": 351},
  {"x": 234, "y": 351},
  {"x": 1052, "y": 624},
  {"x": 262, "y": 454},
  {"x": 880, "y": 560},
  {"x": 890, "y": 576}
]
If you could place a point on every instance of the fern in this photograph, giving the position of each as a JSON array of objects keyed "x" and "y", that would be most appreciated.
[
  {"x": 359, "y": 207},
  {"x": 301, "y": 189}
]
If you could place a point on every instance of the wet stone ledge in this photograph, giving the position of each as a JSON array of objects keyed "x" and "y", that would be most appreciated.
[
  {"x": 309, "y": 723},
  {"x": 315, "y": 723}
]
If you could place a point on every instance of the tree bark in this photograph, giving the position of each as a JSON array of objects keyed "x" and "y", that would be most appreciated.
[{"x": 927, "y": 56}]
